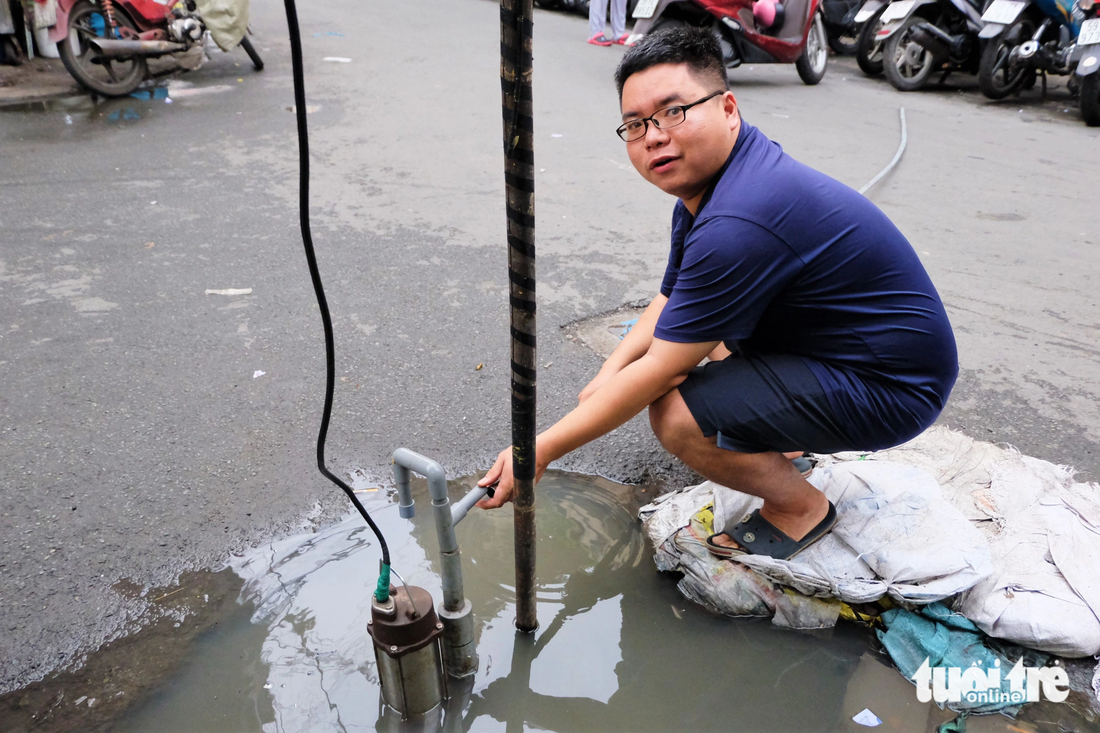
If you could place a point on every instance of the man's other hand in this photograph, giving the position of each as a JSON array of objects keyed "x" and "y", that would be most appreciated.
[{"x": 501, "y": 475}]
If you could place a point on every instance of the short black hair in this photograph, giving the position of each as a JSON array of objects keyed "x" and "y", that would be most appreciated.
[{"x": 675, "y": 44}]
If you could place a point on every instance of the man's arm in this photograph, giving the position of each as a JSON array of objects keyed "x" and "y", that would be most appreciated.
[
  {"x": 634, "y": 346},
  {"x": 633, "y": 388}
]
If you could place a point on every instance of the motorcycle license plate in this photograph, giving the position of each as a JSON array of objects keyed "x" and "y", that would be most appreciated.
[
  {"x": 865, "y": 14},
  {"x": 1002, "y": 11},
  {"x": 645, "y": 8},
  {"x": 1090, "y": 32},
  {"x": 897, "y": 10}
]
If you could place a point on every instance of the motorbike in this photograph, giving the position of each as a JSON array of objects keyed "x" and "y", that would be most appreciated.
[
  {"x": 105, "y": 44},
  {"x": 868, "y": 45},
  {"x": 841, "y": 27},
  {"x": 749, "y": 31},
  {"x": 921, "y": 37},
  {"x": 1087, "y": 59},
  {"x": 1024, "y": 37}
]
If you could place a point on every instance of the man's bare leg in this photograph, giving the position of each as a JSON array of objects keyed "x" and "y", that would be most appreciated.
[{"x": 790, "y": 502}]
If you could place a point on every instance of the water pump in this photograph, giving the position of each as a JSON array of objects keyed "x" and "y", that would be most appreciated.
[{"x": 406, "y": 632}]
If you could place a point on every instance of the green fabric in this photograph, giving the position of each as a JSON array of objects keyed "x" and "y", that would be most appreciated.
[
  {"x": 227, "y": 21},
  {"x": 946, "y": 639},
  {"x": 958, "y": 725}
]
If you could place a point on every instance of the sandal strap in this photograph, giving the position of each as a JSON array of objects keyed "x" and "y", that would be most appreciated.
[{"x": 760, "y": 537}]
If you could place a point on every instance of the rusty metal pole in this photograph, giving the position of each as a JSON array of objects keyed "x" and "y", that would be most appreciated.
[{"x": 519, "y": 179}]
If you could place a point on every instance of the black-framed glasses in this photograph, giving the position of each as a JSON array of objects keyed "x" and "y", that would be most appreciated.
[{"x": 662, "y": 119}]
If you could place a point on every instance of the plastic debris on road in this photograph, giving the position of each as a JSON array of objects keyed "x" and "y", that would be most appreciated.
[
  {"x": 229, "y": 291},
  {"x": 866, "y": 718}
]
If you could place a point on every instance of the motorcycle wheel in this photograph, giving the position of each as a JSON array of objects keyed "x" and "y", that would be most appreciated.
[
  {"x": 999, "y": 75},
  {"x": 1090, "y": 99},
  {"x": 815, "y": 57},
  {"x": 844, "y": 41},
  {"x": 868, "y": 49},
  {"x": 907, "y": 64},
  {"x": 111, "y": 77}
]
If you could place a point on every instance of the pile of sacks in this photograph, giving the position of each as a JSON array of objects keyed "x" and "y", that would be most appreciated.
[{"x": 1008, "y": 541}]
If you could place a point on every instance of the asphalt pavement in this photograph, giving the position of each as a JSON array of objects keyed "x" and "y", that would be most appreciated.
[{"x": 154, "y": 421}]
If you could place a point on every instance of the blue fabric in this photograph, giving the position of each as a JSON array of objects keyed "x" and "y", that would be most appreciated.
[
  {"x": 947, "y": 639},
  {"x": 784, "y": 259}
]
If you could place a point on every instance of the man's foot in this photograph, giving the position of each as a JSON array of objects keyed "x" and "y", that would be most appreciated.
[
  {"x": 797, "y": 527},
  {"x": 621, "y": 40},
  {"x": 600, "y": 40}
]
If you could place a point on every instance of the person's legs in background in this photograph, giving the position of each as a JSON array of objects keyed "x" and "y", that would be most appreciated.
[
  {"x": 618, "y": 21},
  {"x": 597, "y": 15}
]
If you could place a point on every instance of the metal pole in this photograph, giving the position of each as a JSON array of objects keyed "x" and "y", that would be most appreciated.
[{"x": 519, "y": 179}]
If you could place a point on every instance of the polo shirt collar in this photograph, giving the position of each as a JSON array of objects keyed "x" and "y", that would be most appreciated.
[{"x": 742, "y": 134}]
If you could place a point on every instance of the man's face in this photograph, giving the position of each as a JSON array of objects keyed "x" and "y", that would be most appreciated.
[{"x": 681, "y": 160}]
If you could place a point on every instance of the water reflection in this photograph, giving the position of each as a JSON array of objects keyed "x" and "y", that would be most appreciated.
[{"x": 617, "y": 649}]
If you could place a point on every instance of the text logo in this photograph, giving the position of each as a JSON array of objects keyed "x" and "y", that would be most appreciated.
[{"x": 978, "y": 685}]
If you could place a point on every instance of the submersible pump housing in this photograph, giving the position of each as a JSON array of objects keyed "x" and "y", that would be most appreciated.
[{"x": 406, "y": 631}]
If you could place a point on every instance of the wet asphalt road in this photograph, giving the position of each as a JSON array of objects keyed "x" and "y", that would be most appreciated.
[{"x": 138, "y": 440}]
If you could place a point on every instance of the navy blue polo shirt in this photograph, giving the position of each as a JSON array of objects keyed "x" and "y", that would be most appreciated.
[{"x": 784, "y": 259}]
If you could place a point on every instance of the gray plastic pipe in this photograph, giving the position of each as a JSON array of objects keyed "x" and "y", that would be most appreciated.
[{"x": 459, "y": 648}]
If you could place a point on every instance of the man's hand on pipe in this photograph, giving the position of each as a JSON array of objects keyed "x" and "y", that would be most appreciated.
[
  {"x": 629, "y": 391},
  {"x": 501, "y": 475}
]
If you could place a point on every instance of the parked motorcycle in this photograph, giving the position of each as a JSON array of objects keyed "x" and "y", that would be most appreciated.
[
  {"x": 921, "y": 37},
  {"x": 749, "y": 31},
  {"x": 840, "y": 24},
  {"x": 1023, "y": 37},
  {"x": 1087, "y": 60},
  {"x": 104, "y": 44},
  {"x": 868, "y": 45}
]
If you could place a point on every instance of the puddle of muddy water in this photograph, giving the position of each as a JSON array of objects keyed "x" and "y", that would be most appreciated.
[
  {"x": 618, "y": 648},
  {"x": 142, "y": 104}
]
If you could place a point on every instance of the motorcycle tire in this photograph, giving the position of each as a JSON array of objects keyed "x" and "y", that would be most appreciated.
[
  {"x": 118, "y": 77},
  {"x": 814, "y": 60},
  {"x": 868, "y": 50},
  {"x": 996, "y": 81},
  {"x": 844, "y": 40},
  {"x": 908, "y": 66},
  {"x": 1090, "y": 99},
  {"x": 258, "y": 62}
]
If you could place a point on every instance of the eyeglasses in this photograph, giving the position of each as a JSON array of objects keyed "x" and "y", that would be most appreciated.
[{"x": 662, "y": 119}]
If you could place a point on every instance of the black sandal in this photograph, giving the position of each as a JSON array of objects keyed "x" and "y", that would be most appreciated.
[{"x": 758, "y": 536}]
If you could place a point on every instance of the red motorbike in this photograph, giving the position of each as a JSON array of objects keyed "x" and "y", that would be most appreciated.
[
  {"x": 749, "y": 31},
  {"x": 105, "y": 43}
]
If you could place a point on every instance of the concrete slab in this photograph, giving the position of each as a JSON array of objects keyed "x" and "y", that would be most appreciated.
[{"x": 602, "y": 333}]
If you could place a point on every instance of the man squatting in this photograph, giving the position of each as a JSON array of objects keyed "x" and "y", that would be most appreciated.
[{"x": 823, "y": 330}]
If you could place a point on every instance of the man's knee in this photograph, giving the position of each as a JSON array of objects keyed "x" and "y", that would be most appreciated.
[{"x": 673, "y": 423}]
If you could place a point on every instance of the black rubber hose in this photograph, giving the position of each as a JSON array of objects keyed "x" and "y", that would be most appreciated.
[{"x": 314, "y": 273}]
